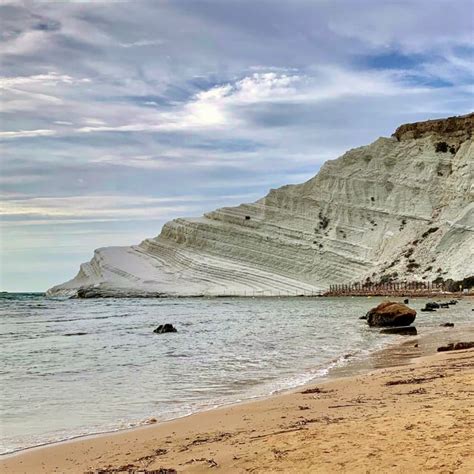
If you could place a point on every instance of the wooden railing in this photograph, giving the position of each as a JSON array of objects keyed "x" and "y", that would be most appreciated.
[{"x": 396, "y": 289}]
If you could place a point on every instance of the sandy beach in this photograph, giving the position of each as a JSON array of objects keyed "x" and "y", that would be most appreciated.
[
  {"x": 411, "y": 418},
  {"x": 237, "y": 237}
]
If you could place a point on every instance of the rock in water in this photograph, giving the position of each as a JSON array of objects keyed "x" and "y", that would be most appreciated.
[
  {"x": 359, "y": 217},
  {"x": 430, "y": 306},
  {"x": 404, "y": 331},
  {"x": 164, "y": 328},
  {"x": 447, "y": 325},
  {"x": 391, "y": 313}
]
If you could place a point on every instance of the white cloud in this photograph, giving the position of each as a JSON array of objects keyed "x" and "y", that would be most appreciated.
[
  {"x": 51, "y": 78},
  {"x": 227, "y": 106},
  {"x": 103, "y": 206},
  {"x": 89, "y": 206},
  {"x": 23, "y": 94},
  {"x": 27, "y": 133},
  {"x": 93, "y": 121},
  {"x": 152, "y": 42},
  {"x": 218, "y": 107}
]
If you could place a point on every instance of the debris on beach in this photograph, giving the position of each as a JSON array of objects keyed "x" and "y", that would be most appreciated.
[{"x": 458, "y": 346}]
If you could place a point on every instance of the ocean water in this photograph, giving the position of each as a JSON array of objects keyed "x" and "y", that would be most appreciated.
[{"x": 74, "y": 367}]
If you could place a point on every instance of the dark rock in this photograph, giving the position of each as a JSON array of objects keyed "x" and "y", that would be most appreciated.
[
  {"x": 452, "y": 302},
  {"x": 404, "y": 331},
  {"x": 444, "y": 305},
  {"x": 458, "y": 346},
  {"x": 425, "y": 310},
  {"x": 432, "y": 305},
  {"x": 365, "y": 316},
  {"x": 164, "y": 328},
  {"x": 406, "y": 300},
  {"x": 391, "y": 313},
  {"x": 75, "y": 334},
  {"x": 447, "y": 325}
]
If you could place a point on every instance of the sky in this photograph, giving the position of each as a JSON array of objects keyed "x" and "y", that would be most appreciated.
[{"x": 117, "y": 116}]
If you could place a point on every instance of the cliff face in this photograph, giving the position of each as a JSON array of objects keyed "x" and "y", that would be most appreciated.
[
  {"x": 401, "y": 208},
  {"x": 454, "y": 129}
]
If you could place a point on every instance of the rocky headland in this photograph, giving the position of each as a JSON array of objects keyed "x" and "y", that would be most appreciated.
[{"x": 399, "y": 209}]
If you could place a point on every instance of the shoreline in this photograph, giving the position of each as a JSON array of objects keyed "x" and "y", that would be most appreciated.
[
  {"x": 347, "y": 365},
  {"x": 342, "y": 361},
  {"x": 12, "y": 462}
]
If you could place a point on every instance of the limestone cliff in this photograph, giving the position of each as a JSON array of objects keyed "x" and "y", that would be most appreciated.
[{"x": 400, "y": 208}]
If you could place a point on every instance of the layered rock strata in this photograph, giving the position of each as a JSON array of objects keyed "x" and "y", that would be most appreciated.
[{"x": 401, "y": 208}]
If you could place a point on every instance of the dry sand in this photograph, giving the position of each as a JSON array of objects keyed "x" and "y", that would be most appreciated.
[{"x": 414, "y": 418}]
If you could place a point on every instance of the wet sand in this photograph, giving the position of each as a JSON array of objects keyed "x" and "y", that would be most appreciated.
[{"x": 409, "y": 418}]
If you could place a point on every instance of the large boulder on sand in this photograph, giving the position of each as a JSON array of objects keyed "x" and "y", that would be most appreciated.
[{"x": 391, "y": 313}]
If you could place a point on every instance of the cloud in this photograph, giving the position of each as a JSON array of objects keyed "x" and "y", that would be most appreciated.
[
  {"x": 51, "y": 78},
  {"x": 34, "y": 92},
  {"x": 68, "y": 209},
  {"x": 221, "y": 105},
  {"x": 27, "y": 133},
  {"x": 88, "y": 206},
  {"x": 144, "y": 42}
]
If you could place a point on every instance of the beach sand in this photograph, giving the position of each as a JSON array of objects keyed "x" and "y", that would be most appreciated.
[{"x": 405, "y": 419}]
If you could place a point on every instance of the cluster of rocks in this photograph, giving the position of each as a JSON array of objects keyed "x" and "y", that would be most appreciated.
[{"x": 396, "y": 317}]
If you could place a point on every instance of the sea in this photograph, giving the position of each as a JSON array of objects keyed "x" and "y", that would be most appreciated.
[{"x": 73, "y": 367}]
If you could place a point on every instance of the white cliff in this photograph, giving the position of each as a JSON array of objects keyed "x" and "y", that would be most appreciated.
[{"x": 401, "y": 208}]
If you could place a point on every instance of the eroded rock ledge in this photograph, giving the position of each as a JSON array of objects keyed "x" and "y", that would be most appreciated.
[{"x": 457, "y": 129}]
